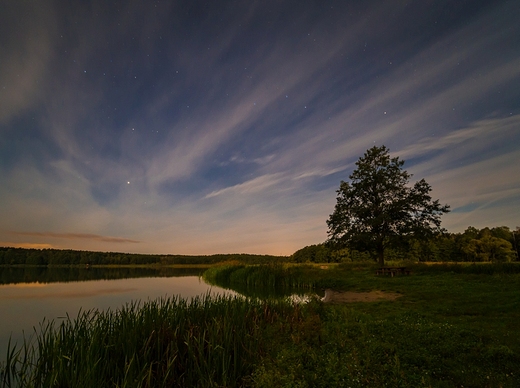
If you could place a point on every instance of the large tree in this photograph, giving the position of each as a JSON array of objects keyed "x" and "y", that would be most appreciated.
[{"x": 378, "y": 207}]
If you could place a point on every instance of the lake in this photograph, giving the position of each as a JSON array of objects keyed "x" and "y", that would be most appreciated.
[{"x": 30, "y": 295}]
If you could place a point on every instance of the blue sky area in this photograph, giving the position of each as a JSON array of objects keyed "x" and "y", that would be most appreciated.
[{"x": 200, "y": 127}]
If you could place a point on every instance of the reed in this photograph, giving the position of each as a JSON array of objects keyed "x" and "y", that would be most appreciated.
[
  {"x": 275, "y": 276},
  {"x": 204, "y": 342}
]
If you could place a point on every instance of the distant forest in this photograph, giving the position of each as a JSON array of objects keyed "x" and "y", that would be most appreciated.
[
  {"x": 499, "y": 244},
  {"x": 60, "y": 257}
]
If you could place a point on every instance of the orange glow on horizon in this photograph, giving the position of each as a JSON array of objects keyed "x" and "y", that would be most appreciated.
[{"x": 27, "y": 245}]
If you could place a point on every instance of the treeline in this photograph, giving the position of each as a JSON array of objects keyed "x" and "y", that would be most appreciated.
[
  {"x": 42, "y": 257},
  {"x": 499, "y": 244}
]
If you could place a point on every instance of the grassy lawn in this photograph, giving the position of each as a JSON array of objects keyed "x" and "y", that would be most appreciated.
[
  {"x": 448, "y": 329},
  {"x": 451, "y": 327}
]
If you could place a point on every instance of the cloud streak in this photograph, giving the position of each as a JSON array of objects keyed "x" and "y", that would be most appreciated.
[{"x": 75, "y": 236}]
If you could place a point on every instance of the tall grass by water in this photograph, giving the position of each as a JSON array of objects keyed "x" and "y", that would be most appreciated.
[
  {"x": 261, "y": 281},
  {"x": 205, "y": 342},
  {"x": 260, "y": 276}
]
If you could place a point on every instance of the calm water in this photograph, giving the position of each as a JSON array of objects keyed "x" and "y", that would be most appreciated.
[{"x": 23, "y": 305}]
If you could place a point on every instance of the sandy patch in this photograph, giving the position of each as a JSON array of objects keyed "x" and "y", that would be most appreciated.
[{"x": 332, "y": 296}]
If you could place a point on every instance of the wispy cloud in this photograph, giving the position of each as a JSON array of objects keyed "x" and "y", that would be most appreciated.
[
  {"x": 493, "y": 130},
  {"x": 249, "y": 187},
  {"x": 24, "y": 70},
  {"x": 484, "y": 147},
  {"x": 75, "y": 236}
]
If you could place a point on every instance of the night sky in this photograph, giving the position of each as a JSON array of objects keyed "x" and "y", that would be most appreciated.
[{"x": 200, "y": 127}]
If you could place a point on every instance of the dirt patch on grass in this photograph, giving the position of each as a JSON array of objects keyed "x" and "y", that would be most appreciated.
[{"x": 332, "y": 296}]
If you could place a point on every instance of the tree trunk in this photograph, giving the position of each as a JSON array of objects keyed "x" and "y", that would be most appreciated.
[{"x": 381, "y": 254}]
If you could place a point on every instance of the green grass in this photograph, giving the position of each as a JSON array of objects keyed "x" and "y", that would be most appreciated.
[
  {"x": 450, "y": 328},
  {"x": 455, "y": 325}
]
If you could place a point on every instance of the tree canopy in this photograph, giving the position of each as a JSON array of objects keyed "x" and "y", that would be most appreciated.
[{"x": 378, "y": 208}]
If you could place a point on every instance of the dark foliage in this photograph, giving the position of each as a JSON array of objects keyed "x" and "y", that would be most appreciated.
[
  {"x": 42, "y": 257},
  {"x": 378, "y": 209}
]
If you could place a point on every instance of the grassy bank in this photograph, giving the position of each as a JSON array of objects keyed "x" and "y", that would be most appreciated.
[
  {"x": 449, "y": 328},
  {"x": 273, "y": 281}
]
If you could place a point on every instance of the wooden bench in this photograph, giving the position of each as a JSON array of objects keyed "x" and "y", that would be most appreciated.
[{"x": 393, "y": 271}]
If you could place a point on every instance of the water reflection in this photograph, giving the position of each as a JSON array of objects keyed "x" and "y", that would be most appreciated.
[{"x": 14, "y": 275}]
